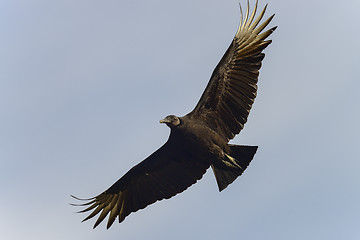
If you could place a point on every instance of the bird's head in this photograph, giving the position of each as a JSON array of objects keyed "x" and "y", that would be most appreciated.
[{"x": 171, "y": 121}]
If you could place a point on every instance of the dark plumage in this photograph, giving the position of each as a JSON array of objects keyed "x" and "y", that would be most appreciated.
[{"x": 199, "y": 139}]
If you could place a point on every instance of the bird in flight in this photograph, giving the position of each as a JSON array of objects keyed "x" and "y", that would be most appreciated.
[{"x": 199, "y": 139}]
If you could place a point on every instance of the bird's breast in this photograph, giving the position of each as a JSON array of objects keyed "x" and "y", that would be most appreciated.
[{"x": 203, "y": 141}]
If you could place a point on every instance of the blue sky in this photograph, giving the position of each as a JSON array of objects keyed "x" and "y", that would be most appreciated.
[{"x": 83, "y": 85}]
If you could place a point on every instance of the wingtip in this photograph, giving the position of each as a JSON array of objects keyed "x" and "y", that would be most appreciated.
[
  {"x": 108, "y": 225},
  {"x": 92, "y": 200},
  {"x": 82, "y": 199},
  {"x": 272, "y": 16},
  {"x": 96, "y": 224},
  {"x": 88, "y": 217}
]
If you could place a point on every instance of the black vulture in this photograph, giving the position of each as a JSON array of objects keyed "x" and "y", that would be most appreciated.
[{"x": 199, "y": 139}]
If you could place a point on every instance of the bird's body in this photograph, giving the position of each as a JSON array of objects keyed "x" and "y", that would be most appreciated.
[{"x": 199, "y": 139}]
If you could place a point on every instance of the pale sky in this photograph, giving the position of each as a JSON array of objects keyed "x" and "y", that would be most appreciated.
[{"x": 83, "y": 85}]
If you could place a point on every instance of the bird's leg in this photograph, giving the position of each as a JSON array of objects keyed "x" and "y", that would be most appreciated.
[
  {"x": 227, "y": 161},
  {"x": 232, "y": 162}
]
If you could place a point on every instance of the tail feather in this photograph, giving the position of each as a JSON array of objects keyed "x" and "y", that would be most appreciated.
[{"x": 242, "y": 155}]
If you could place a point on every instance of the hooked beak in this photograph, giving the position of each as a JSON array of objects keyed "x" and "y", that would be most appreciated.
[{"x": 164, "y": 120}]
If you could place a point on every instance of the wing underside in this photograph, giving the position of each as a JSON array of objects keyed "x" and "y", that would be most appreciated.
[
  {"x": 162, "y": 175},
  {"x": 231, "y": 91}
]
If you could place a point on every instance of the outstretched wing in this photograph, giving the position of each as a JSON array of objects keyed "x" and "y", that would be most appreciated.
[
  {"x": 163, "y": 174},
  {"x": 230, "y": 93}
]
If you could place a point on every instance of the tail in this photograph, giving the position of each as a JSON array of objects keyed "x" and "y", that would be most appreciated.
[{"x": 234, "y": 165}]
